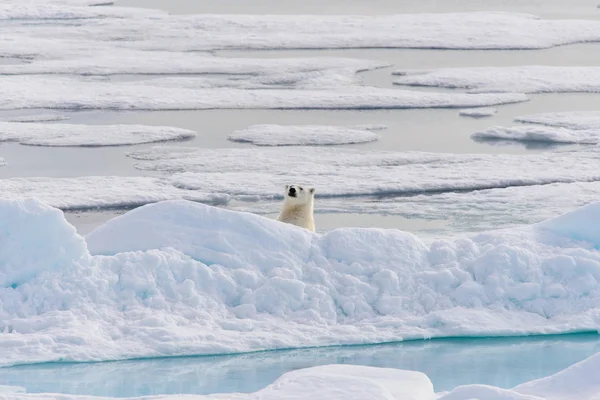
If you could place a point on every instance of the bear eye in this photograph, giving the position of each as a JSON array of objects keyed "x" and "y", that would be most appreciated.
[{"x": 301, "y": 188}]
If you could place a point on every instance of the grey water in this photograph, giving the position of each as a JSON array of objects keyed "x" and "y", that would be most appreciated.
[{"x": 449, "y": 363}]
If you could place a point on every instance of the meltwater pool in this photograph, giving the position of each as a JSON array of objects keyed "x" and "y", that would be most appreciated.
[{"x": 503, "y": 362}]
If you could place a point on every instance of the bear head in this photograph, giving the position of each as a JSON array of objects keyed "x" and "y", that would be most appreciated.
[{"x": 297, "y": 194}]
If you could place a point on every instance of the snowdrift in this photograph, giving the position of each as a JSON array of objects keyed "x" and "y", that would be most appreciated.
[{"x": 181, "y": 278}]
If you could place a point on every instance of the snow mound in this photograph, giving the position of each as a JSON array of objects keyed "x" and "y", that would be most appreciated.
[
  {"x": 26, "y": 251},
  {"x": 478, "y": 112},
  {"x": 577, "y": 120},
  {"x": 181, "y": 278},
  {"x": 524, "y": 79},
  {"x": 533, "y": 133},
  {"x": 36, "y": 134},
  {"x": 302, "y": 135},
  {"x": 38, "y": 118}
]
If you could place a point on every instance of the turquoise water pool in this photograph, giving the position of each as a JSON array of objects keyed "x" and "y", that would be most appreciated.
[{"x": 449, "y": 362}]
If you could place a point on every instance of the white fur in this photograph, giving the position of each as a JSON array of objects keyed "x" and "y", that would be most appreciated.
[{"x": 299, "y": 209}]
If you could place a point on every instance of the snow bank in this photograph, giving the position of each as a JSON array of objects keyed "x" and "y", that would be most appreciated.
[
  {"x": 525, "y": 79},
  {"x": 533, "y": 133},
  {"x": 348, "y": 172},
  {"x": 577, "y": 120},
  {"x": 302, "y": 135},
  {"x": 42, "y": 92},
  {"x": 478, "y": 112},
  {"x": 25, "y": 252},
  {"x": 180, "y": 278},
  {"x": 36, "y": 134}
]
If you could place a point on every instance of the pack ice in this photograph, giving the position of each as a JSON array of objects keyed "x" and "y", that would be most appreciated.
[{"x": 181, "y": 278}]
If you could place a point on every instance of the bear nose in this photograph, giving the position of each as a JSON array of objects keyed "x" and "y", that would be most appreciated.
[{"x": 292, "y": 190}]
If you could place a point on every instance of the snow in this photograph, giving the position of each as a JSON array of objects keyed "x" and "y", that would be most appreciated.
[
  {"x": 38, "y": 118},
  {"x": 525, "y": 79},
  {"x": 302, "y": 135},
  {"x": 533, "y": 133},
  {"x": 478, "y": 112},
  {"x": 75, "y": 94},
  {"x": 181, "y": 278},
  {"x": 37, "y": 134},
  {"x": 576, "y": 120},
  {"x": 348, "y": 172}
]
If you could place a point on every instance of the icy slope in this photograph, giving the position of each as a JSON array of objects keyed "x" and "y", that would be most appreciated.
[{"x": 180, "y": 278}]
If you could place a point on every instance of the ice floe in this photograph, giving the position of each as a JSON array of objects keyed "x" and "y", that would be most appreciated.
[
  {"x": 533, "y": 133},
  {"x": 474, "y": 30},
  {"x": 526, "y": 79},
  {"x": 127, "y": 61},
  {"x": 348, "y": 172},
  {"x": 181, "y": 278},
  {"x": 99, "y": 192},
  {"x": 47, "y": 117},
  {"x": 302, "y": 135},
  {"x": 583, "y": 120},
  {"x": 478, "y": 112},
  {"x": 73, "y": 94},
  {"x": 37, "y": 134}
]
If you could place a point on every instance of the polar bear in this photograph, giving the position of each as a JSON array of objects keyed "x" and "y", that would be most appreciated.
[{"x": 298, "y": 207}]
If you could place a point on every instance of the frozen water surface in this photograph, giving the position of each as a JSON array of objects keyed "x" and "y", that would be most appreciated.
[{"x": 307, "y": 135}]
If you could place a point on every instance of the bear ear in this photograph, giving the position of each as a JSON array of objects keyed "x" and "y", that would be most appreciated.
[
  {"x": 287, "y": 187},
  {"x": 312, "y": 190}
]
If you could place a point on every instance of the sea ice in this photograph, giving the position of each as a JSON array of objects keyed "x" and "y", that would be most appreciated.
[
  {"x": 478, "y": 112},
  {"x": 99, "y": 192},
  {"x": 181, "y": 278},
  {"x": 68, "y": 93},
  {"x": 114, "y": 61},
  {"x": 584, "y": 120},
  {"x": 302, "y": 135},
  {"x": 37, "y": 134},
  {"x": 348, "y": 172},
  {"x": 38, "y": 118},
  {"x": 475, "y": 30},
  {"x": 536, "y": 133},
  {"x": 525, "y": 79}
]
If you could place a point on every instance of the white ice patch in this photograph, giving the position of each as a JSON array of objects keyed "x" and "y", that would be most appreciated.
[
  {"x": 347, "y": 172},
  {"x": 36, "y": 134},
  {"x": 194, "y": 279},
  {"x": 478, "y": 112},
  {"x": 583, "y": 120},
  {"x": 302, "y": 135},
  {"x": 67, "y": 93},
  {"x": 38, "y": 118},
  {"x": 94, "y": 192},
  {"x": 526, "y": 79},
  {"x": 535, "y": 133}
]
